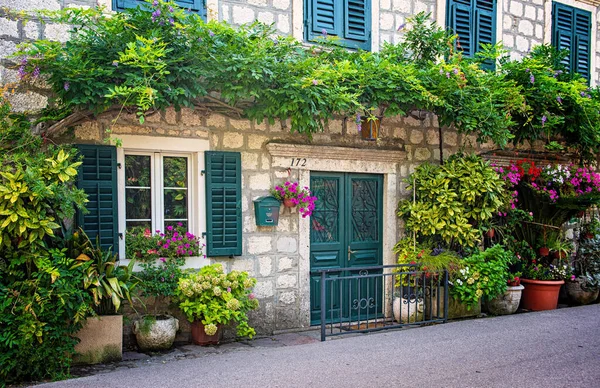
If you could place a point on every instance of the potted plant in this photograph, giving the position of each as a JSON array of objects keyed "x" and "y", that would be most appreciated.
[
  {"x": 542, "y": 281},
  {"x": 101, "y": 338},
  {"x": 291, "y": 195},
  {"x": 508, "y": 302},
  {"x": 583, "y": 286},
  {"x": 162, "y": 255},
  {"x": 210, "y": 298}
]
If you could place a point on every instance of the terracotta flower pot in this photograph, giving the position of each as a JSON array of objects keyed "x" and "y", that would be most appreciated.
[
  {"x": 287, "y": 202},
  {"x": 199, "y": 336},
  {"x": 544, "y": 251},
  {"x": 559, "y": 255},
  {"x": 540, "y": 295},
  {"x": 490, "y": 233}
]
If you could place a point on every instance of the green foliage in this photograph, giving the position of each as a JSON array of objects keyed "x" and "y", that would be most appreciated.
[
  {"x": 160, "y": 280},
  {"x": 483, "y": 274},
  {"x": 107, "y": 282},
  {"x": 217, "y": 298},
  {"x": 175, "y": 243},
  {"x": 453, "y": 200},
  {"x": 426, "y": 259}
]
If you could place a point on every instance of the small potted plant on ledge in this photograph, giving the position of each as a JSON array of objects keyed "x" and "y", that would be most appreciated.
[
  {"x": 162, "y": 255},
  {"x": 291, "y": 195},
  {"x": 210, "y": 298}
]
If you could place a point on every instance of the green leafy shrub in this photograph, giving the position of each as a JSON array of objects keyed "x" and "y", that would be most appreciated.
[
  {"x": 160, "y": 280},
  {"x": 453, "y": 200},
  {"x": 217, "y": 298}
]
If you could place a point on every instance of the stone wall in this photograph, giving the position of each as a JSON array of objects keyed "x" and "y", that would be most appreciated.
[{"x": 522, "y": 25}]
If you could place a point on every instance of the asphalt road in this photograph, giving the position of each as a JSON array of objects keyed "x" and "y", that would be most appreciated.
[{"x": 559, "y": 348}]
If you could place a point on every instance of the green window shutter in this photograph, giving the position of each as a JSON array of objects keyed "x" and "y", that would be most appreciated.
[
  {"x": 571, "y": 30},
  {"x": 98, "y": 178},
  {"x": 223, "y": 203},
  {"x": 485, "y": 26},
  {"x": 197, "y": 6},
  {"x": 460, "y": 20},
  {"x": 350, "y": 20}
]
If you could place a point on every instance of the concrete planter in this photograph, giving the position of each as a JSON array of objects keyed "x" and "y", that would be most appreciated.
[
  {"x": 577, "y": 295},
  {"x": 456, "y": 309},
  {"x": 101, "y": 340},
  {"x": 155, "y": 332},
  {"x": 407, "y": 311},
  {"x": 507, "y": 303}
]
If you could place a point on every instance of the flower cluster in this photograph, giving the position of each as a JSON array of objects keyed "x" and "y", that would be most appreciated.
[
  {"x": 175, "y": 242},
  {"x": 559, "y": 270},
  {"x": 216, "y": 298},
  {"x": 298, "y": 196}
]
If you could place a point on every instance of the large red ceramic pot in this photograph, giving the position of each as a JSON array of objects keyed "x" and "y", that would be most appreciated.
[{"x": 540, "y": 295}]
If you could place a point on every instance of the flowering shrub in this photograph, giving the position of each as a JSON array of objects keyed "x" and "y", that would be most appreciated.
[
  {"x": 301, "y": 197},
  {"x": 160, "y": 280},
  {"x": 558, "y": 270},
  {"x": 482, "y": 274},
  {"x": 217, "y": 298},
  {"x": 175, "y": 242}
]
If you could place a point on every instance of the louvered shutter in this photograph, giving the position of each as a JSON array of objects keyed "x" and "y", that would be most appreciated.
[
  {"x": 350, "y": 20},
  {"x": 485, "y": 26},
  {"x": 571, "y": 30},
  {"x": 358, "y": 23},
  {"x": 223, "y": 203},
  {"x": 198, "y": 6},
  {"x": 98, "y": 178},
  {"x": 460, "y": 21}
]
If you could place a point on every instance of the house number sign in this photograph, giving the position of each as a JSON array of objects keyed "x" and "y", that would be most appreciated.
[{"x": 298, "y": 162}]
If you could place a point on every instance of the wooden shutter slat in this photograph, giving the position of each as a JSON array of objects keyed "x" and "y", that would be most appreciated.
[
  {"x": 223, "y": 203},
  {"x": 98, "y": 179},
  {"x": 196, "y": 6},
  {"x": 571, "y": 30},
  {"x": 357, "y": 22}
]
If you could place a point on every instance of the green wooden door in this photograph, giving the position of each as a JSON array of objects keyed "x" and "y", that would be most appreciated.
[{"x": 345, "y": 233}]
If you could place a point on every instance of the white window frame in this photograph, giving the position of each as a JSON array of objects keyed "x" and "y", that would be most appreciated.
[
  {"x": 167, "y": 146},
  {"x": 594, "y": 42}
]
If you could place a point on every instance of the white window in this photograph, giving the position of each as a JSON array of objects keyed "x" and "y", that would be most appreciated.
[{"x": 160, "y": 183}]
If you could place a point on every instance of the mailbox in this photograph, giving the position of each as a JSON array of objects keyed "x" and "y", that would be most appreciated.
[{"x": 266, "y": 211}]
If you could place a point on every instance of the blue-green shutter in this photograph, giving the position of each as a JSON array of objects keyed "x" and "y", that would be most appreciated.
[
  {"x": 350, "y": 20},
  {"x": 223, "y": 203},
  {"x": 571, "y": 30},
  {"x": 474, "y": 21},
  {"x": 197, "y": 6},
  {"x": 98, "y": 178}
]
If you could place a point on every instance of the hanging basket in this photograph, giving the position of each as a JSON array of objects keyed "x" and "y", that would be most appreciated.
[{"x": 287, "y": 202}]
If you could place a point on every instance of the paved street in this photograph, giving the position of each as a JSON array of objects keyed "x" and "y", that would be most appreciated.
[{"x": 559, "y": 348}]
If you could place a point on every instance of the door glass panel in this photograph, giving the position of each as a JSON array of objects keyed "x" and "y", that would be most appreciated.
[
  {"x": 365, "y": 220},
  {"x": 325, "y": 217}
]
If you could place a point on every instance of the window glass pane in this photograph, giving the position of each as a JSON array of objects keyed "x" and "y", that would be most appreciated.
[
  {"x": 175, "y": 205},
  {"x": 138, "y": 205},
  {"x": 175, "y": 224},
  {"x": 175, "y": 172},
  {"x": 137, "y": 170},
  {"x": 132, "y": 224}
]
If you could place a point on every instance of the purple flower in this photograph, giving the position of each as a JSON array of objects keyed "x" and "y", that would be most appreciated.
[
  {"x": 36, "y": 72},
  {"x": 455, "y": 71},
  {"x": 66, "y": 86},
  {"x": 324, "y": 32},
  {"x": 228, "y": 289},
  {"x": 532, "y": 79},
  {"x": 315, "y": 82},
  {"x": 544, "y": 118},
  {"x": 179, "y": 224},
  {"x": 22, "y": 72},
  {"x": 210, "y": 33},
  {"x": 169, "y": 228},
  {"x": 155, "y": 15},
  {"x": 163, "y": 259},
  {"x": 155, "y": 3},
  {"x": 115, "y": 63},
  {"x": 401, "y": 27},
  {"x": 447, "y": 75},
  {"x": 559, "y": 99},
  {"x": 171, "y": 21},
  {"x": 171, "y": 9}
]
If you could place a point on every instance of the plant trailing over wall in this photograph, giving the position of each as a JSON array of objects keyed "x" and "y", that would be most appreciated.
[{"x": 451, "y": 202}]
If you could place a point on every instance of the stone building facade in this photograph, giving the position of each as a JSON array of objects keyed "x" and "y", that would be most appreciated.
[{"x": 279, "y": 257}]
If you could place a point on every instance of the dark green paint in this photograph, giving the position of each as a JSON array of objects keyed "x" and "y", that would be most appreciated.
[{"x": 571, "y": 30}]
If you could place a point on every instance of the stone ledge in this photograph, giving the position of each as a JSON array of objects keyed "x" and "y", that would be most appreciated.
[{"x": 335, "y": 153}]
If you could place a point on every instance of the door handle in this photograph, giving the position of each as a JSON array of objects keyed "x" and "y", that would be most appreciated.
[{"x": 350, "y": 252}]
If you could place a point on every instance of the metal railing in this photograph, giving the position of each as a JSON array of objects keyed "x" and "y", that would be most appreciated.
[{"x": 368, "y": 299}]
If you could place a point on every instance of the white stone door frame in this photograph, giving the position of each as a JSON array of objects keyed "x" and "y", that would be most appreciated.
[{"x": 339, "y": 159}]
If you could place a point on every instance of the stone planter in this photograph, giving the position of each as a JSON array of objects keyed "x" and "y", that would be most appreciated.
[
  {"x": 155, "y": 332},
  {"x": 540, "y": 295},
  {"x": 507, "y": 303},
  {"x": 407, "y": 311},
  {"x": 577, "y": 295},
  {"x": 456, "y": 309},
  {"x": 101, "y": 340}
]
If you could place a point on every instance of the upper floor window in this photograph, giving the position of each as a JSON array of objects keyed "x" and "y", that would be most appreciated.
[
  {"x": 474, "y": 21},
  {"x": 571, "y": 30},
  {"x": 198, "y": 6},
  {"x": 350, "y": 20}
]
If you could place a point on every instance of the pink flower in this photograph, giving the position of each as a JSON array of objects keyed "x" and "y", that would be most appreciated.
[
  {"x": 251, "y": 296},
  {"x": 228, "y": 289},
  {"x": 163, "y": 259}
]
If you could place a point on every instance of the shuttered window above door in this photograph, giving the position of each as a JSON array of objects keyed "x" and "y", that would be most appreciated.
[
  {"x": 349, "y": 20},
  {"x": 196, "y": 6},
  {"x": 474, "y": 21},
  {"x": 571, "y": 30}
]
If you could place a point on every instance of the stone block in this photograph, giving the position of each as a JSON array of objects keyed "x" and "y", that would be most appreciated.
[
  {"x": 285, "y": 263},
  {"x": 530, "y": 12},
  {"x": 233, "y": 140},
  {"x": 31, "y": 29},
  {"x": 385, "y": 4},
  {"x": 281, "y": 4},
  {"x": 422, "y": 154},
  {"x": 287, "y": 297},
  {"x": 386, "y": 21},
  {"x": 266, "y": 17},
  {"x": 29, "y": 101},
  {"x": 402, "y": 6},
  {"x": 450, "y": 138},
  {"x": 263, "y": 289},
  {"x": 9, "y": 27},
  {"x": 287, "y": 244},
  {"x": 265, "y": 266},
  {"x": 259, "y": 244},
  {"x": 256, "y": 142},
  {"x": 190, "y": 117},
  {"x": 260, "y": 3},
  {"x": 57, "y": 32},
  {"x": 7, "y": 48},
  {"x": 240, "y": 124},
  {"x": 336, "y": 126},
  {"x": 216, "y": 121},
  {"x": 20, "y": 5},
  {"x": 416, "y": 136},
  {"x": 516, "y": 8},
  {"x": 287, "y": 281},
  {"x": 260, "y": 181},
  {"x": 522, "y": 44},
  {"x": 433, "y": 137},
  {"x": 244, "y": 265},
  {"x": 249, "y": 161},
  {"x": 88, "y": 131},
  {"x": 526, "y": 27},
  {"x": 171, "y": 116},
  {"x": 242, "y": 15},
  {"x": 283, "y": 23}
]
